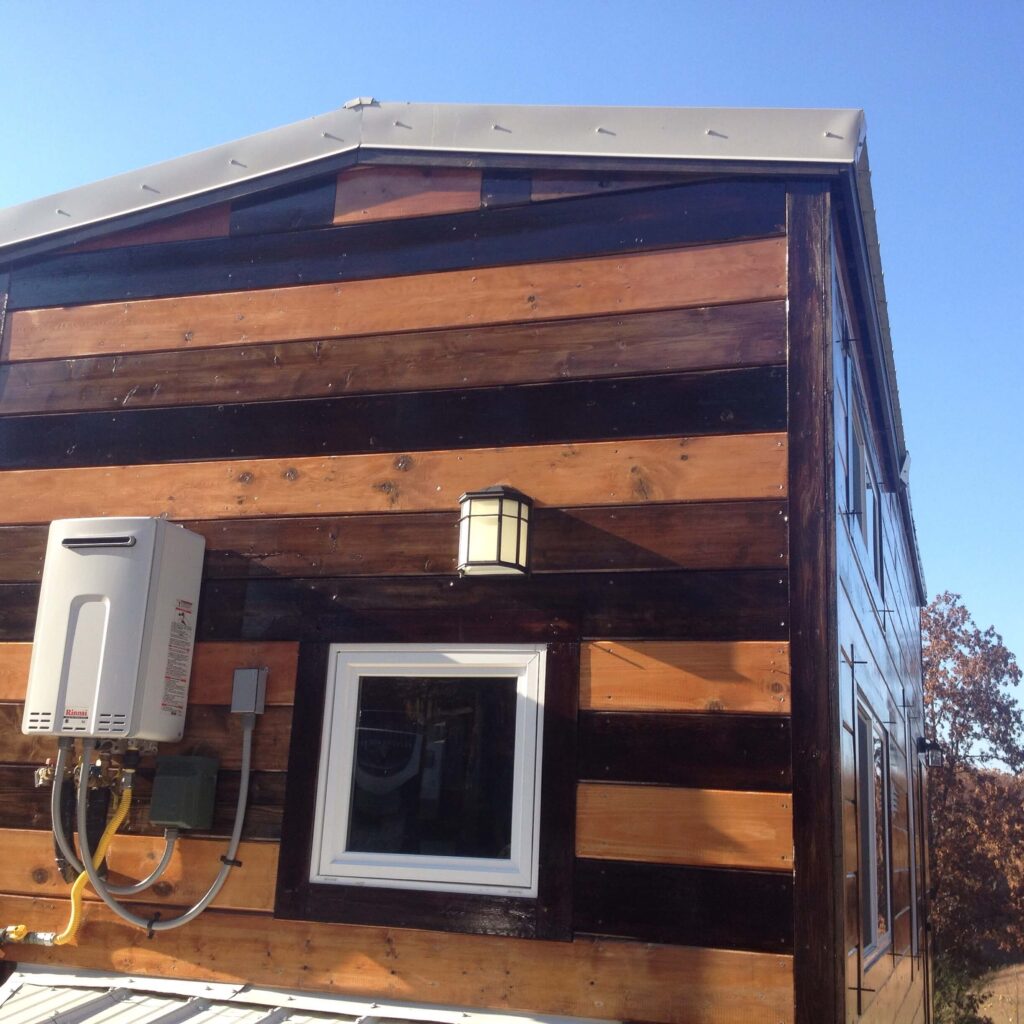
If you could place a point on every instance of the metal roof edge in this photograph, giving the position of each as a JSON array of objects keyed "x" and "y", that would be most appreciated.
[
  {"x": 868, "y": 226},
  {"x": 714, "y": 134},
  {"x": 295, "y": 1000}
]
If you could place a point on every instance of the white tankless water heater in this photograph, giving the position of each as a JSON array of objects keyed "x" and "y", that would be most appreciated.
[{"x": 115, "y": 630}]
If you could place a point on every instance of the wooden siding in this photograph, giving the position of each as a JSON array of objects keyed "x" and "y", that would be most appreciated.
[
  {"x": 717, "y": 274},
  {"x": 702, "y": 338},
  {"x": 661, "y": 550},
  {"x": 878, "y": 642}
]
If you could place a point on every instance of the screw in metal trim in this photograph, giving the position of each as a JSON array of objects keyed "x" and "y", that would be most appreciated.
[
  {"x": 236, "y": 163},
  {"x": 603, "y": 131},
  {"x": 328, "y": 135}
]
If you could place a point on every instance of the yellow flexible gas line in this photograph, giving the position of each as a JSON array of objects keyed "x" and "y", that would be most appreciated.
[{"x": 75, "y": 920}]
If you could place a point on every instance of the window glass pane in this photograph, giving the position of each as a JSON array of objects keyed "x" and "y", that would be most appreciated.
[
  {"x": 881, "y": 836},
  {"x": 865, "y": 809},
  {"x": 434, "y": 766}
]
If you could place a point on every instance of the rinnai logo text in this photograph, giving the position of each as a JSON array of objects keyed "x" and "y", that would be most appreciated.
[{"x": 75, "y": 713}]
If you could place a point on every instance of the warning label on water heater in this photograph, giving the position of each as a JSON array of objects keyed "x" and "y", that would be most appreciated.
[{"x": 179, "y": 658}]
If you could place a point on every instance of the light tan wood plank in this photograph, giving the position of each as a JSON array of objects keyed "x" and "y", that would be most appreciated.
[
  {"x": 387, "y": 193},
  {"x": 14, "y": 662},
  {"x": 748, "y": 677},
  {"x": 27, "y": 868},
  {"x": 586, "y": 978},
  {"x": 600, "y": 473},
  {"x": 668, "y": 825},
  {"x": 698, "y": 276},
  {"x": 212, "y": 667}
]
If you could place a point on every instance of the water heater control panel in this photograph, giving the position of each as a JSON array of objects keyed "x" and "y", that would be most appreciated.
[{"x": 115, "y": 630}]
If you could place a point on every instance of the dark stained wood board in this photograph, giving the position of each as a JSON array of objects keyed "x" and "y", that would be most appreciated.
[
  {"x": 708, "y": 337},
  {"x": 817, "y": 799},
  {"x": 719, "y": 274},
  {"x": 306, "y": 204},
  {"x": 703, "y": 751},
  {"x": 685, "y": 906},
  {"x": 24, "y": 806},
  {"x": 711, "y": 535},
  {"x": 691, "y": 404},
  {"x": 210, "y": 730},
  {"x": 658, "y": 219},
  {"x": 708, "y": 605}
]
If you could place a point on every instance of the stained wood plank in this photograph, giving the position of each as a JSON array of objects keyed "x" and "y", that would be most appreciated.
[
  {"x": 708, "y": 337},
  {"x": 547, "y": 185},
  {"x": 751, "y": 400},
  {"x": 27, "y": 869},
  {"x": 742, "y": 752},
  {"x": 384, "y": 193},
  {"x": 22, "y": 805},
  {"x": 210, "y": 730},
  {"x": 14, "y": 662},
  {"x": 694, "y": 676},
  {"x": 306, "y": 204},
  {"x": 817, "y": 820},
  {"x": 705, "y": 275},
  {"x": 700, "y": 827},
  {"x": 658, "y": 219},
  {"x": 212, "y": 668},
  {"x": 685, "y": 906},
  {"x": 682, "y": 985},
  {"x": 607, "y": 473},
  {"x": 713, "y": 535},
  {"x": 683, "y": 605},
  {"x": 206, "y": 222}
]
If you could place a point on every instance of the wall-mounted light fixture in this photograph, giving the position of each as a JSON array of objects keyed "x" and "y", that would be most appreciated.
[
  {"x": 930, "y": 751},
  {"x": 494, "y": 532}
]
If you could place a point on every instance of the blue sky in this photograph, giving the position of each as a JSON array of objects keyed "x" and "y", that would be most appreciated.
[{"x": 93, "y": 89}]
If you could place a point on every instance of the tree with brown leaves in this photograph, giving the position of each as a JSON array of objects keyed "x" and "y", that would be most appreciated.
[{"x": 977, "y": 796}]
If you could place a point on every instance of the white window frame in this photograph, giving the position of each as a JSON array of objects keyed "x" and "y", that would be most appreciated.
[
  {"x": 333, "y": 863},
  {"x": 873, "y": 943}
]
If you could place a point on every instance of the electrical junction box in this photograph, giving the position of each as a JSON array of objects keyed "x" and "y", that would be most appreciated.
[
  {"x": 183, "y": 792},
  {"x": 115, "y": 630}
]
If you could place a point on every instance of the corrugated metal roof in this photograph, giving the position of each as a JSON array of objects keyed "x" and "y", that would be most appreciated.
[
  {"x": 711, "y": 134},
  {"x": 32, "y": 996}
]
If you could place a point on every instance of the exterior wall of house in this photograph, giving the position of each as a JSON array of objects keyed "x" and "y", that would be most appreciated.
[
  {"x": 880, "y": 698},
  {"x": 310, "y": 379}
]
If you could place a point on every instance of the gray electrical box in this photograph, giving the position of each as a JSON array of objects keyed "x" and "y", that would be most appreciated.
[{"x": 183, "y": 792}]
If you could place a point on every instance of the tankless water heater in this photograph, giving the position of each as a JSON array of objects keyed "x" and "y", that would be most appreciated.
[{"x": 115, "y": 630}]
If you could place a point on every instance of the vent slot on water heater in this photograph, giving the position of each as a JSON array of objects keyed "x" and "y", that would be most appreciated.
[{"x": 115, "y": 629}]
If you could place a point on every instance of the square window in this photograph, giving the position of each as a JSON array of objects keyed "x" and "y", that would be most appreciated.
[{"x": 429, "y": 772}]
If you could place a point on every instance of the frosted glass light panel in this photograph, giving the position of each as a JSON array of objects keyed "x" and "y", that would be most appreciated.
[{"x": 494, "y": 532}]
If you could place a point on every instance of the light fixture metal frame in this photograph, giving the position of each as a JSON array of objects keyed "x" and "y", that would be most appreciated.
[{"x": 497, "y": 566}]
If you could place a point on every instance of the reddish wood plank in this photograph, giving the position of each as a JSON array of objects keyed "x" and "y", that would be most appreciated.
[
  {"x": 207, "y": 222},
  {"x": 384, "y": 193}
]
